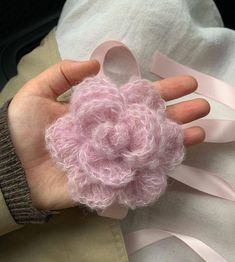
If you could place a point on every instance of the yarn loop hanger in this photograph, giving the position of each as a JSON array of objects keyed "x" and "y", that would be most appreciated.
[{"x": 100, "y": 54}]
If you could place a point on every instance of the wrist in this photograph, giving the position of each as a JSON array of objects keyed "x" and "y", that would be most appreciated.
[{"x": 13, "y": 181}]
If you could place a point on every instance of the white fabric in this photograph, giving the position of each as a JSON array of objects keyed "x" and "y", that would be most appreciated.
[{"x": 190, "y": 32}]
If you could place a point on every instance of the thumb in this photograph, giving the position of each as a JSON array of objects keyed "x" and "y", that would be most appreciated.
[{"x": 60, "y": 77}]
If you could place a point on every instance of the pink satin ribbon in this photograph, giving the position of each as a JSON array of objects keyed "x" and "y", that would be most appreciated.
[
  {"x": 142, "y": 238},
  {"x": 217, "y": 131},
  {"x": 204, "y": 181},
  {"x": 208, "y": 86},
  {"x": 102, "y": 50}
]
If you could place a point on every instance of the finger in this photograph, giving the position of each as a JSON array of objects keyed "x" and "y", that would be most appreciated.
[
  {"x": 193, "y": 136},
  {"x": 60, "y": 77},
  {"x": 175, "y": 87},
  {"x": 188, "y": 111}
]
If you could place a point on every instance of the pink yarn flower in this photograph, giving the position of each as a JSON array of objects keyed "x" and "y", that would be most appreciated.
[{"x": 116, "y": 144}]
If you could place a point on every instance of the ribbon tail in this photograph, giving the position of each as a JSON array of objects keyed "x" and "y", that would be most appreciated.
[
  {"x": 208, "y": 86},
  {"x": 142, "y": 238},
  {"x": 204, "y": 181}
]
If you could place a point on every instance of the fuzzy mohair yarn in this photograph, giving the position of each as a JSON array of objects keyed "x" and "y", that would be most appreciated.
[{"x": 116, "y": 145}]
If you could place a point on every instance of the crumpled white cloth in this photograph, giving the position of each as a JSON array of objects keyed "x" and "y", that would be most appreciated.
[{"x": 192, "y": 33}]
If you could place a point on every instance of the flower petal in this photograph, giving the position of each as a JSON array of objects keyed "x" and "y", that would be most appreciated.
[
  {"x": 144, "y": 126},
  {"x": 111, "y": 140},
  {"x": 115, "y": 173},
  {"x": 142, "y": 92},
  {"x": 97, "y": 112},
  {"x": 173, "y": 148},
  {"x": 96, "y": 196},
  {"x": 144, "y": 190},
  {"x": 63, "y": 140},
  {"x": 91, "y": 90}
]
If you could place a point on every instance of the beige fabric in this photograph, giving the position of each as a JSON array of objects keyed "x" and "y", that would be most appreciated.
[
  {"x": 7, "y": 223},
  {"x": 31, "y": 65},
  {"x": 70, "y": 236}
]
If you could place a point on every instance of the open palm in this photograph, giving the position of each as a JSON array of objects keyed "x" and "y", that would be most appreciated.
[{"x": 35, "y": 107}]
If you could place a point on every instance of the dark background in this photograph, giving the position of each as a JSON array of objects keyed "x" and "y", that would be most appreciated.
[
  {"x": 16, "y": 14},
  {"x": 227, "y": 9},
  {"x": 23, "y": 23}
]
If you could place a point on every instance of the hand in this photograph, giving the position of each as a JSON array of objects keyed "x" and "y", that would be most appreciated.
[{"x": 35, "y": 107}]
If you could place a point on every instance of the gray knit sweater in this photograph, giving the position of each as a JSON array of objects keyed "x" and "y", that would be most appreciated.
[{"x": 13, "y": 182}]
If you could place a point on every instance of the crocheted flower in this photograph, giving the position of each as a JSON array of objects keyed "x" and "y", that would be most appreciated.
[{"x": 115, "y": 144}]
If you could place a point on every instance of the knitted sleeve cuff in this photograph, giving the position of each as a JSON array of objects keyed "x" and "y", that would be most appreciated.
[{"x": 13, "y": 182}]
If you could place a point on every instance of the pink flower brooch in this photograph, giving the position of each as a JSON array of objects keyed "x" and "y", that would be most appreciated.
[{"x": 116, "y": 145}]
